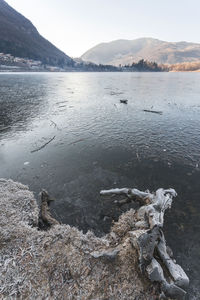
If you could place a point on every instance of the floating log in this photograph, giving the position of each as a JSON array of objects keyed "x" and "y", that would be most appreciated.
[
  {"x": 125, "y": 101},
  {"x": 153, "y": 111}
]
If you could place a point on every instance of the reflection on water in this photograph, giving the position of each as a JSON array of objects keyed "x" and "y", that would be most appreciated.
[{"x": 101, "y": 143}]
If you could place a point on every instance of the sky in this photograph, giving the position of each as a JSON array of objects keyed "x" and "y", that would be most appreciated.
[{"x": 74, "y": 26}]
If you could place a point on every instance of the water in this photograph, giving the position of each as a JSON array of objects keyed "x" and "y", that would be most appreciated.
[{"x": 99, "y": 143}]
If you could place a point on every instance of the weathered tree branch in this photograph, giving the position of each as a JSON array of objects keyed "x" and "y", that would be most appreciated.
[{"x": 150, "y": 219}]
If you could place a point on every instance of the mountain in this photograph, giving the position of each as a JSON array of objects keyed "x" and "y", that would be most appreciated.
[
  {"x": 129, "y": 51},
  {"x": 20, "y": 38}
]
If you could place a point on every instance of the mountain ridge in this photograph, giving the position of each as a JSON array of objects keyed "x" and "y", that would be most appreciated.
[
  {"x": 20, "y": 38},
  {"x": 124, "y": 51}
]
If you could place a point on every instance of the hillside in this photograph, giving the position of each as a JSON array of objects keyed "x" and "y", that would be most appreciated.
[
  {"x": 20, "y": 38},
  {"x": 185, "y": 67},
  {"x": 129, "y": 51}
]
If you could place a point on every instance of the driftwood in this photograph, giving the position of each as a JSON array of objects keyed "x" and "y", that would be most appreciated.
[
  {"x": 151, "y": 244},
  {"x": 125, "y": 101},
  {"x": 153, "y": 111},
  {"x": 44, "y": 145},
  {"x": 46, "y": 219}
]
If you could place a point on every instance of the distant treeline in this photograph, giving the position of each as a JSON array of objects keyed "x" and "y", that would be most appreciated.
[
  {"x": 143, "y": 66},
  {"x": 148, "y": 66},
  {"x": 184, "y": 67},
  {"x": 91, "y": 67},
  {"x": 140, "y": 66}
]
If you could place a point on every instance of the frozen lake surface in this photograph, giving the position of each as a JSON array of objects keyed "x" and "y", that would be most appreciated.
[{"x": 96, "y": 142}]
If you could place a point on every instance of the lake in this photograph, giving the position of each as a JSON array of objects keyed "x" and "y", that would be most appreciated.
[{"x": 69, "y": 133}]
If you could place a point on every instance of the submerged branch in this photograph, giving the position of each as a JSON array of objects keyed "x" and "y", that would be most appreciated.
[{"x": 44, "y": 145}]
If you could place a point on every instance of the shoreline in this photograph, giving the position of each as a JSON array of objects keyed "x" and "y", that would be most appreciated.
[
  {"x": 62, "y": 262},
  {"x": 87, "y": 71}
]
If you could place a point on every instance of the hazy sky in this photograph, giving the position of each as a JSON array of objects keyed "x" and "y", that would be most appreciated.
[{"x": 74, "y": 26}]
